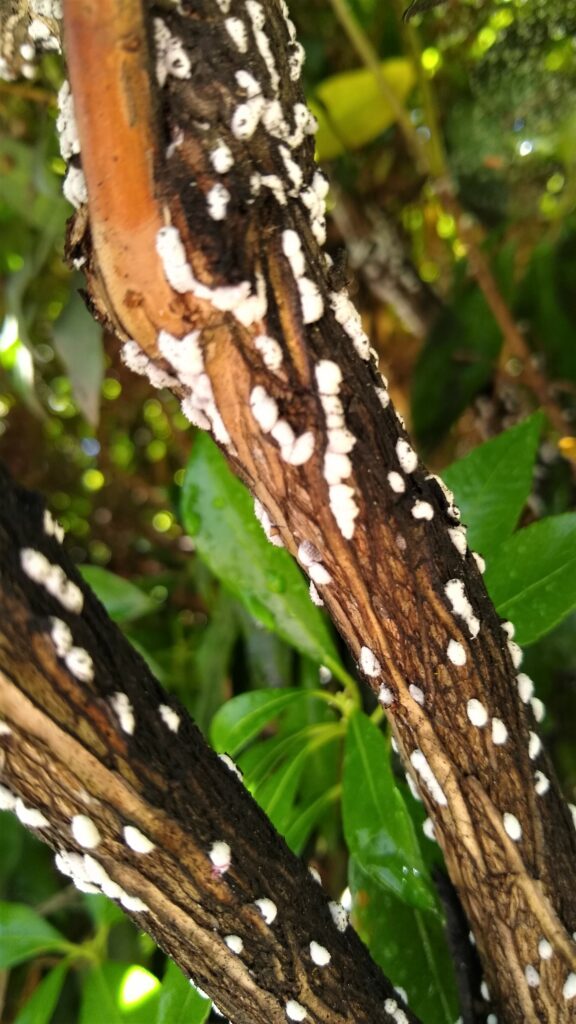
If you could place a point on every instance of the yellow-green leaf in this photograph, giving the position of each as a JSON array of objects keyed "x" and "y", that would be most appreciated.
[{"x": 351, "y": 110}]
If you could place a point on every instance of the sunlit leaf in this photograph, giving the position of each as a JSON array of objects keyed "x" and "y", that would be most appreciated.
[
  {"x": 351, "y": 109},
  {"x": 180, "y": 1002},
  {"x": 119, "y": 993}
]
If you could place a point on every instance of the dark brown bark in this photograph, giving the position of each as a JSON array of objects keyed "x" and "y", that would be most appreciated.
[
  {"x": 394, "y": 569},
  {"x": 90, "y": 745}
]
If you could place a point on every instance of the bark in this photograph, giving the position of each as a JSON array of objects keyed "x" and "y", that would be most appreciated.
[
  {"x": 233, "y": 304},
  {"x": 378, "y": 254},
  {"x": 114, "y": 775}
]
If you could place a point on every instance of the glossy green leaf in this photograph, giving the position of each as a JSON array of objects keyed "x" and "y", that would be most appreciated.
[
  {"x": 409, "y": 944},
  {"x": 351, "y": 110},
  {"x": 42, "y": 1003},
  {"x": 123, "y": 600},
  {"x": 276, "y": 792},
  {"x": 243, "y": 717},
  {"x": 266, "y": 755},
  {"x": 532, "y": 576},
  {"x": 307, "y": 817},
  {"x": 492, "y": 483},
  {"x": 377, "y": 825},
  {"x": 119, "y": 993},
  {"x": 24, "y": 934},
  {"x": 218, "y": 513},
  {"x": 98, "y": 1000},
  {"x": 180, "y": 1002},
  {"x": 78, "y": 341}
]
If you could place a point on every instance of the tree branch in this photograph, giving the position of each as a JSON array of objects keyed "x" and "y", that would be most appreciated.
[
  {"x": 206, "y": 222},
  {"x": 113, "y": 774}
]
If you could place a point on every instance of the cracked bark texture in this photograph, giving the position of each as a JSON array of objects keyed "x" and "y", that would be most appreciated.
[
  {"x": 90, "y": 745},
  {"x": 192, "y": 281}
]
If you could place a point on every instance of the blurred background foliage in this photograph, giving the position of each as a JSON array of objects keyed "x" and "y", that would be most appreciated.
[{"x": 450, "y": 142}]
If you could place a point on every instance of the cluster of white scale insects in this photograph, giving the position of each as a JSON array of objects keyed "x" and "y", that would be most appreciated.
[{"x": 260, "y": 108}]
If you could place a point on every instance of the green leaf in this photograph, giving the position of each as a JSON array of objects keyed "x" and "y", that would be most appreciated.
[
  {"x": 78, "y": 341},
  {"x": 277, "y": 792},
  {"x": 351, "y": 109},
  {"x": 24, "y": 934},
  {"x": 42, "y": 1003},
  {"x": 119, "y": 993},
  {"x": 377, "y": 825},
  {"x": 210, "y": 659},
  {"x": 218, "y": 513},
  {"x": 492, "y": 483},
  {"x": 532, "y": 577},
  {"x": 123, "y": 600},
  {"x": 104, "y": 912},
  {"x": 180, "y": 1002},
  {"x": 270, "y": 661},
  {"x": 409, "y": 945},
  {"x": 265, "y": 756},
  {"x": 27, "y": 190},
  {"x": 98, "y": 1002},
  {"x": 243, "y": 717},
  {"x": 307, "y": 817}
]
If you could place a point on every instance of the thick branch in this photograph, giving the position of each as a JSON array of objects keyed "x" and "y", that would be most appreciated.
[
  {"x": 113, "y": 774},
  {"x": 232, "y": 304}
]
